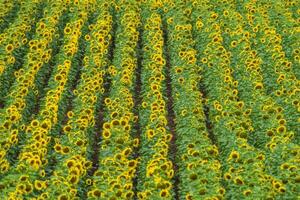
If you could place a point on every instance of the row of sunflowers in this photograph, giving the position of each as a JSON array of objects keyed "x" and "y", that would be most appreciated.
[{"x": 152, "y": 99}]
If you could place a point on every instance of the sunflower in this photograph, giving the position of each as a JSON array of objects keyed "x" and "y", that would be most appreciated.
[
  {"x": 247, "y": 192},
  {"x": 9, "y": 48},
  {"x": 106, "y": 134}
]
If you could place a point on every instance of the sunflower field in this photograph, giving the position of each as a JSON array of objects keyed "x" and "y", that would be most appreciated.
[{"x": 150, "y": 99}]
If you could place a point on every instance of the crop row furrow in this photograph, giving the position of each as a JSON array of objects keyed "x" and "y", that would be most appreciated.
[
  {"x": 14, "y": 44},
  {"x": 30, "y": 169},
  {"x": 39, "y": 54},
  {"x": 279, "y": 80},
  {"x": 155, "y": 168},
  {"x": 197, "y": 158},
  {"x": 242, "y": 164},
  {"x": 117, "y": 167}
]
